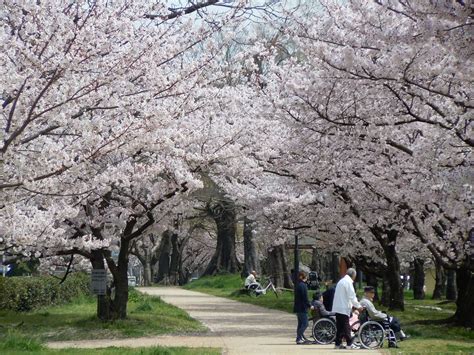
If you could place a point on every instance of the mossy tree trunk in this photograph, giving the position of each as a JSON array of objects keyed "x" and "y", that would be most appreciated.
[
  {"x": 224, "y": 259},
  {"x": 418, "y": 279},
  {"x": 251, "y": 261}
]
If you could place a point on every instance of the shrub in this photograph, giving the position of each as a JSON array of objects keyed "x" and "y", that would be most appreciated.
[{"x": 27, "y": 293}]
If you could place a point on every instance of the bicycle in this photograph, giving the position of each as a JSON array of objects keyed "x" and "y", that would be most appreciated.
[{"x": 256, "y": 289}]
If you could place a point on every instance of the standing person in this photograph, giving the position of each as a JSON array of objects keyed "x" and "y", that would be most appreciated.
[
  {"x": 301, "y": 307},
  {"x": 328, "y": 297},
  {"x": 344, "y": 299}
]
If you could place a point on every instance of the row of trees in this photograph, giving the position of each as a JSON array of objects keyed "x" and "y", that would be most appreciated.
[{"x": 350, "y": 120}]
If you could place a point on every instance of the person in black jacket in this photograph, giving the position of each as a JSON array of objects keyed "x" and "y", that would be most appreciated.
[
  {"x": 328, "y": 297},
  {"x": 301, "y": 307}
]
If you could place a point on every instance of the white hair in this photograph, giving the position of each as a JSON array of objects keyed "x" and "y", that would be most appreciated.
[{"x": 351, "y": 272}]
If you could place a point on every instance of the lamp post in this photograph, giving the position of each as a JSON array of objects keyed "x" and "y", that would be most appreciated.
[{"x": 297, "y": 261}]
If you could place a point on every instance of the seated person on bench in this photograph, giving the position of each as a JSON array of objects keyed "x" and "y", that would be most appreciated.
[
  {"x": 251, "y": 281},
  {"x": 374, "y": 314},
  {"x": 318, "y": 305}
]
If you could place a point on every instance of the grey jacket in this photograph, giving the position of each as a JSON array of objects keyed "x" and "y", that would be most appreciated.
[
  {"x": 371, "y": 310},
  {"x": 319, "y": 306}
]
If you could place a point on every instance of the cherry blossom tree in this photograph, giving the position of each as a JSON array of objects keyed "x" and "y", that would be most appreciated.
[{"x": 98, "y": 115}]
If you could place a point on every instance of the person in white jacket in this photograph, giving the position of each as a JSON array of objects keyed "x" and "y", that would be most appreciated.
[{"x": 344, "y": 299}]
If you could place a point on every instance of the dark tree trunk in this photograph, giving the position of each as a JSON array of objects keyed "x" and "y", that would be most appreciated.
[
  {"x": 120, "y": 274},
  {"x": 440, "y": 282},
  {"x": 145, "y": 259},
  {"x": 321, "y": 263},
  {"x": 396, "y": 301},
  {"x": 103, "y": 302},
  {"x": 392, "y": 276},
  {"x": 224, "y": 259},
  {"x": 451, "y": 289},
  {"x": 175, "y": 259},
  {"x": 418, "y": 279},
  {"x": 278, "y": 267},
  {"x": 465, "y": 302},
  {"x": 335, "y": 268},
  {"x": 385, "y": 300},
  {"x": 109, "y": 308},
  {"x": 164, "y": 259},
  {"x": 251, "y": 261}
]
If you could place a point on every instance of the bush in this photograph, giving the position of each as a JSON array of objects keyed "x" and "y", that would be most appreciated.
[{"x": 23, "y": 294}]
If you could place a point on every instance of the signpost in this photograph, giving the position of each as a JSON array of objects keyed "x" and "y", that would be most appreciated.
[{"x": 99, "y": 282}]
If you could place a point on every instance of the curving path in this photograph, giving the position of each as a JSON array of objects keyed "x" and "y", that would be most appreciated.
[{"x": 235, "y": 327}]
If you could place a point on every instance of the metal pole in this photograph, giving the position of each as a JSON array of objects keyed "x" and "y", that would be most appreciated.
[
  {"x": 4, "y": 270},
  {"x": 297, "y": 261}
]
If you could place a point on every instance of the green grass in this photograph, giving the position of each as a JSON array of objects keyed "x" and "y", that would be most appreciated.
[
  {"x": 418, "y": 320},
  {"x": 16, "y": 344},
  {"x": 227, "y": 285},
  {"x": 76, "y": 321}
]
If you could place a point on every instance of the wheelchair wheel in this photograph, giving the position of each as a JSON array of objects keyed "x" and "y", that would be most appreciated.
[
  {"x": 324, "y": 331},
  {"x": 371, "y": 335}
]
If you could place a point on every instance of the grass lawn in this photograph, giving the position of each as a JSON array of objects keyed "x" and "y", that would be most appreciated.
[
  {"x": 418, "y": 320},
  {"x": 146, "y": 316},
  {"x": 16, "y": 344}
]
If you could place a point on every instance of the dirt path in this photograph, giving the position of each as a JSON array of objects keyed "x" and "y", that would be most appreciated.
[{"x": 235, "y": 327}]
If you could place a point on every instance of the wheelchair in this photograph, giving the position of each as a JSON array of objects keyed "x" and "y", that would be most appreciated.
[
  {"x": 324, "y": 330},
  {"x": 372, "y": 333}
]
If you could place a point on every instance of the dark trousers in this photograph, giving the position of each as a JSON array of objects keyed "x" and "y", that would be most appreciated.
[
  {"x": 302, "y": 325},
  {"x": 395, "y": 324},
  {"x": 343, "y": 329}
]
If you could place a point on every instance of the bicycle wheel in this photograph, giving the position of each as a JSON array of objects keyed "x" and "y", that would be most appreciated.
[
  {"x": 275, "y": 291},
  {"x": 371, "y": 335},
  {"x": 324, "y": 331}
]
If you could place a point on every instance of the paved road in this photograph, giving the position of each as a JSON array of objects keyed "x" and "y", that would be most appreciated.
[{"x": 237, "y": 328}]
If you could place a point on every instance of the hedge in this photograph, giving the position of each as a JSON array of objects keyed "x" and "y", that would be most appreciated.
[{"x": 22, "y": 294}]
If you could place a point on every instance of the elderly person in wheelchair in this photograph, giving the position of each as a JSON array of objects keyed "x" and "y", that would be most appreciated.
[
  {"x": 383, "y": 318},
  {"x": 324, "y": 322},
  {"x": 319, "y": 310}
]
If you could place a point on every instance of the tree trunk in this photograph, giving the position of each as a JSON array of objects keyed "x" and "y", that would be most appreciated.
[
  {"x": 119, "y": 303},
  {"x": 335, "y": 268},
  {"x": 103, "y": 302},
  {"x": 224, "y": 259},
  {"x": 164, "y": 260},
  {"x": 251, "y": 261},
  {"x": 419, "y": 279},
  {"x": 440, "y": 282},
  {"x": 385, "y": 300},
  {"x": 451, "y": 289},
  {"x": 278, "y": 267},
  {"x": 109, "y": 308},
  {"x": 392, "y": 276},
  {"x": 396, "y": 301},
  {"x": 175, "y": 259},
  {"x": 465, "y": 303},
  {"x": 147, "y": 272}
]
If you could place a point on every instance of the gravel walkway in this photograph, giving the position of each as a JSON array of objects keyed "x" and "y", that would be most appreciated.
[{"x": 235, "y": 327}]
